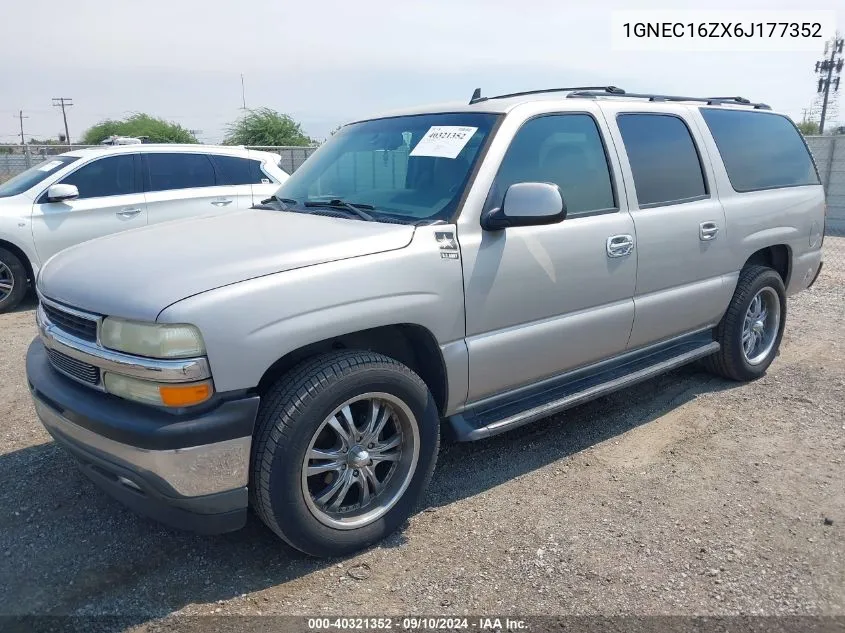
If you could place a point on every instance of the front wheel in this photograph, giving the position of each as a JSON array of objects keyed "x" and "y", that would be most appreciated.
[
  {"x": 344, "y": 447},
  {"x": 751, "y": 330},
  {"x": 13, "y": 280}
]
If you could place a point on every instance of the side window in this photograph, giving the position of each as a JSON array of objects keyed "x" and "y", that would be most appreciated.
[
  {"x": 663, "y": 158},
  {"x": 761, "y": 150},
  {"x": 111, "y": 176},
  {"x": 564, "y": 149},
  {"x": 232, "y": 170},
  {"x": 178, "y": 171}
]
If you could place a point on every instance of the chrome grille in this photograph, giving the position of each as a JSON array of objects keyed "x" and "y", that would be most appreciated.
[
  {"x": 75, "y": 325},
  {"x": 74, "y": 368}
]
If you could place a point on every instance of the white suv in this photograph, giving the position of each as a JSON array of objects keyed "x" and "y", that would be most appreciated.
[{"x": 89, "y": 193}]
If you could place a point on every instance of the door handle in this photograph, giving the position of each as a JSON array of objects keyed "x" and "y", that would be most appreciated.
[
  {"x": 620, "y": 245},
  {"x": 128, "y": 213},
  {"x": 221, "y": 202},
  {"x": 707, "y": 231}
]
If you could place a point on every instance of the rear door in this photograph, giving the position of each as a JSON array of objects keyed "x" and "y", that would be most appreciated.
[
  {"x": 682, "y": 247},
  {"x": 110, "y": 200},
  {"x": 251, "y": 185},
  {"x": 182, "y": 185},
  {"x": 267, "y": 175}
]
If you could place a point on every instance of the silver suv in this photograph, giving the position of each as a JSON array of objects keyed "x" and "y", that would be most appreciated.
[{"x": 462, "y": 269}]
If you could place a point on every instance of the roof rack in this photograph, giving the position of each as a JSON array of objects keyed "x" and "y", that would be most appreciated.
[
  {"x": 610, "y": 90},
  {"x": 651, "y": 97}
]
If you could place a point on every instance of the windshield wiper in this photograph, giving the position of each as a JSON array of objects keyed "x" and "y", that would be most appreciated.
[
  {"x": 352, "y": 207},
  {"x": 283, "y": 202}
]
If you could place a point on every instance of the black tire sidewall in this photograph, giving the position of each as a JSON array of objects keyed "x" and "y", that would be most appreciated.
[
  {"x": 767, "y": 278},
  {"x": 20, "y": 276},
  {"x": 299, "y": 526}
]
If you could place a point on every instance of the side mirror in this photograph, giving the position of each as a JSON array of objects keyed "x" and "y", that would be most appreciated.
[
  {"x": 58, "y": 193},
  {"x": 527, "y": 204}
]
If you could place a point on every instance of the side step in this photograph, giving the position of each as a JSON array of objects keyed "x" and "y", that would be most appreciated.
[{"x": 503, "y": 413}]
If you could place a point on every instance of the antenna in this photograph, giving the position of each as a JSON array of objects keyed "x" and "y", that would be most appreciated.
[{"x": 476, "y": 96}]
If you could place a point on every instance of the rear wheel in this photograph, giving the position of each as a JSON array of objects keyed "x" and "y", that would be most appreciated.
[
  {"x": 751, "y": 330},
  {"x": 13, "y": 280},
  {"x": 344, "y": 448}
]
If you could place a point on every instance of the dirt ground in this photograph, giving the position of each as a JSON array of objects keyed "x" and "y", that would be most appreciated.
[{"x": 687, "y": 494}]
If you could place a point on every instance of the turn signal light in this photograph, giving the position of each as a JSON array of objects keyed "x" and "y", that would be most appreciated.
[{"x": 184, "y": 395}]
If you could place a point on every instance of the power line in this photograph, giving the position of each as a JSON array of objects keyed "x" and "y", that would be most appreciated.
[{"x": 64, "y": 102}]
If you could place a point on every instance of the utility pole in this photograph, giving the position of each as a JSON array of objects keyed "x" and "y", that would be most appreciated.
[
  {"x": 21, "y": 117},
  {"x": 64, "y": 102},
  {"x": 243, "y": 92},
  {"x": 826, "y": 68}
]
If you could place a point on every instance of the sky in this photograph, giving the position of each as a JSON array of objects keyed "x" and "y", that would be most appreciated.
[{"x": 327, "y": 62}]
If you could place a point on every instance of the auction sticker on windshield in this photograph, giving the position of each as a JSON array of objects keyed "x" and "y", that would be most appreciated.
[
  {"x": 443, "y": 141},
  {"x": 50, "y": 166}
]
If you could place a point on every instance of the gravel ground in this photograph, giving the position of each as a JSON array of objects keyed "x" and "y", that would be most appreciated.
[{"x": 684, "y": 495}]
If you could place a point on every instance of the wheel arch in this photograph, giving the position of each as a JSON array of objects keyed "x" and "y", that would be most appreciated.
[
  {"x": 778, "y": 257},
  {"x": 20, "y": 254},
  {"x": 412, "y": 345}
]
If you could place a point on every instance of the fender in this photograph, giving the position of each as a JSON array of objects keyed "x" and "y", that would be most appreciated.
[{"x": 249, "y": 325}]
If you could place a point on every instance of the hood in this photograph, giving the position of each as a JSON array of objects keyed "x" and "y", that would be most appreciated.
[{"x": 138, "y": 273}]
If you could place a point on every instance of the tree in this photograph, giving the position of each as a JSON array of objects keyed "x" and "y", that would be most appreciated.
[
  {"x": 139, "y": 124},
  {"x": 808, "y": 128},
  {"x": 266, "y": 127}
]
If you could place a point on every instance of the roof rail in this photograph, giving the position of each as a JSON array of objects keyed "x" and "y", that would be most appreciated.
[
  {"x": 476, "y": 96},
  {"x": 653, "y": 97}
]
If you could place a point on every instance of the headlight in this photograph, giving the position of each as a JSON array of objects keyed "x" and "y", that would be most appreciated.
[
  {"x": 155, "y": 340},
  {"x": 156, "y": 393}
]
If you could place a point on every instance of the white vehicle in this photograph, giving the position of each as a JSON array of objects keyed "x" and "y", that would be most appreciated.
[{"x": 89, "y": 193}]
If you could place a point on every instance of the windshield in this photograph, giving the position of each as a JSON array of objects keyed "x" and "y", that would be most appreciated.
[
  {"x": 411, "y": 168},
  {"x": 34, "y": 175}
]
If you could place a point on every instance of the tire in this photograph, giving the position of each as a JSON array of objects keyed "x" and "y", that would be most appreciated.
[
  {"x": 12, "y": 272},
  {"x": 296, "y": 419},
  {"x": 732, "y": 361}
]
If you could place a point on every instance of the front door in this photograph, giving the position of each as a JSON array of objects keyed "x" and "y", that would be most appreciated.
[
  {"x": 543, "y": 300},
  {"x": 109, "y": 201},
  {"x": 680, "y": 223}
]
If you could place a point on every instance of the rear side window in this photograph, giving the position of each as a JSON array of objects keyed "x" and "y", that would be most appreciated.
[
  {"x": 112, "y": 176},
  {"x": 258, "y": 175},
  {"x": 760, "y": 150},
  {"x": 663, "y": 159},
  {"x": 178, "y": 171},
  {"x": 564, "y": 149},
  {"x": 232, "y": 170}
]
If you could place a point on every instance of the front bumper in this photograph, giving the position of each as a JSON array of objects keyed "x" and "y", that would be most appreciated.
[{"x": 188, "y": 470}]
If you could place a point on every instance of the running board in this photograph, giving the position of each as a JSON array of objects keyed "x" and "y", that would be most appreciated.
[{"x": 501, "y": 414}]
